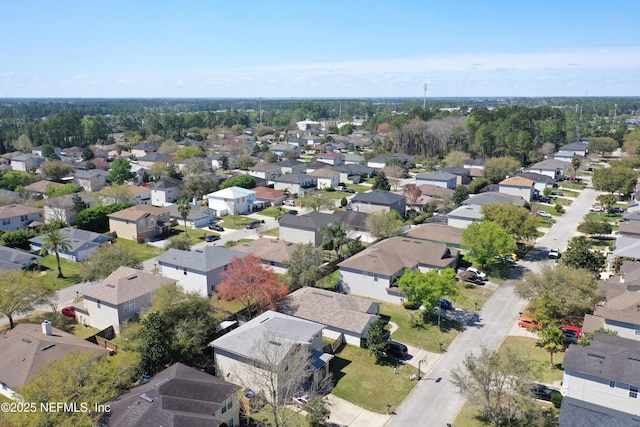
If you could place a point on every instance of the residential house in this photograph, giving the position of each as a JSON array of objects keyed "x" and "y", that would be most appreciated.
[
  {"x": 198, "y": 216},
  {"x": 271, "y": 338},
  {"x": 119, "y": 298},
  {"x": 39, "y": 188},
  {"x": 341, "y": 314},
  {"x": 601, "y": 383},
  {"x": 464, "y": 216},
  {"x": 327, "y": 178},
  {"x": 264, "y": 170},
  {"x": 273, "y": 252},
  {"x": 555, "y": 169},
  {"x": 218, "y": 159},
  {"x": 144, "y": 148},
  {"x": 232, "y": 201},
  {"x": 463, "y": 176},
  {"x": 437, "y": 233},
  {"x": 541, "y": 182},
  {"x": 331, "y": 158},
  {"x": 307, "y": 124},
  {"x": 280, "y": 149},
  {"x": 39, "y": 150},
  {"x": 518, "y": 186},
  {"x": 381, "y": 161},
  {"x": 165, "y": 191},
  {"x": 140, "y": 222},
  {"x": 627, "y": 247},
  {"x": 315, "y": 165},
  {"x": 353, "y": 159},
  {"x": 27, "y": 162},
  {"x": 73, "y": 153},
  {"x": 269, "y": 197},
  {"x": 492, "y": 197},
  {"x": 630, "y": 229},
  {"x": 199, "y": 270},
  {"x": 578, "y": 148},
  {"x": 27, "y": 348},
  {"x": 305, "y": 228},
  {"x": 354, "y": 173},
  {"x": 292, "y": 166},
  {"x": 141, "y": 195},
  {"x": 296, "y": 183},
  {"x": 475, "y": 163},
  {"x": 8, "y": 197},
  {"x": 378, "y": 201},
  {"x": 150, "y": 158},
  {"x": 17, "y": 259},
  {"x": 437, "y": 178},
  {"x": 177, "y": 395},
  {"x": 91, "y": 180},
  {"x": 354, "y": 221},
  {"x": 374, "y": 271},
  {"x": 82, "y": 243},
  {"x": 19, "y": 217},
  {"x": 62, "y": 208}
]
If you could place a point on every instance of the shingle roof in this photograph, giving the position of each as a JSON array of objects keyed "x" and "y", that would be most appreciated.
[
  {"x": 433, "y": 232},
  {"x": 435, "y": 176},
  {"x": 494, "y": 197},
  {"x": 15, "y": 259},
  {"x": 550, "y": 164},
  {"x": 125, "y": 284},
  {"x": 264, "y": 166},
  {"x": 203, "y": 260},
  {"x": 537, "y": 177},
  {"x": 12, "y": 211},
  {"x": 41, "y": 186},
  {"x": 338, "y": 311},
  {"x": 138, "y": 211},
  {"x": 622, "y": 308},
  {"x": 377, "y": 197},
  {"x": 165, "y": 183},
  {"x": 324, "y": 173},
  {"x": 175, "y": 397},
  {"x": 517, "y": 181},
  {"x": 467, "y": 212},
  {"x": 268, "y": 193},
  {"x": 78, "y": 239},
  {"x": 269, "y": 250},
  {"x": 310, "y": 221},
  {"x": 578, "y": 413}
]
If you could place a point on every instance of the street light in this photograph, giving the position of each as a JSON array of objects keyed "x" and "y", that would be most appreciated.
[
  {"x": 419, "y": 365},
  {"x": 440, "y": 346},
  {"x": 388, "y": 408}
]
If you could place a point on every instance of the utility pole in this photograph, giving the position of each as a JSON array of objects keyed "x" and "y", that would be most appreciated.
[
  {"x": 424, "y": 102},
  {"x": 260, "y": 111}
]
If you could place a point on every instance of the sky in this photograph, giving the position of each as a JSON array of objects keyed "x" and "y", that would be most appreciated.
[{"x": 310, "y": 49}]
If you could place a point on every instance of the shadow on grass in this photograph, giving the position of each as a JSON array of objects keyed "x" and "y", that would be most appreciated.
[{"x": 338, "y": 364}]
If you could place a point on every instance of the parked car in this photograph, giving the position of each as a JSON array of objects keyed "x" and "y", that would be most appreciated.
[
  {"x": 478, "y": 273},
  {"x": 572, "y": 329},
  {"x": 557, "y": 193},
  {"x": 292, "y": 212},
  {"x": 554, "y": 253},
  {"x": 445, "y": 304},
  {"x": 289, "y": 202},
  {"x": 543, "y": 392},
  {"x": 397, "y": 349},
  {"x": 301, "y": 400},
  {"x": 529, "y": 323},
  {"x": 349, "y": 190},
  {"x": 615, "y": 210},
  {"x": 254, "y": 224},
  {"x": 69, "y": 311},
  {"x": 216, "y": 227},
  {"x": 510, "y": 259},
  {"x": 471, "y": 277},
  {"x": 544, "y": 199},
  {"x": 340, "y": 188},
  {"x": 570, "y": 337},
  {"x": 211, "y": 238},
  {"x": 596, "y": 209},
  {"x": 545, "y": 214}
]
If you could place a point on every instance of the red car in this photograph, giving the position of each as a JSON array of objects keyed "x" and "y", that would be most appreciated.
[
  {"x": 572, "y": 329},
  {"x": 69, "y": 311},
  {"x": 529, "y": 323}
]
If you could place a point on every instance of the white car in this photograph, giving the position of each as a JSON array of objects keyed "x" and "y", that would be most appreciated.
[
  {"x": 481, "y": 275},
  {"x": 596, "y": 209},
  {"x": 554, "y": 253},
  {"x": 545, "y": 214},
  {"x": 301, "y": 400}
]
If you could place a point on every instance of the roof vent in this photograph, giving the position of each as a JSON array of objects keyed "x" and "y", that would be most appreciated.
[
  {"x": 275, "y": 343},
  {"x": 596, "y": 355},
  {"x": 147, "y": 398},
  {"x": 111, "y": 286},
  {"x": 159, "y": 383},
  {"x": 27, "y": 340},
  {"x": 47, "y": 347},
  {"x": 132, "y": 277}
]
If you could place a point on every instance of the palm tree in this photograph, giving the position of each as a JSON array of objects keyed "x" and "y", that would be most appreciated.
[
  {"x": 56, "y": 240},
  {"x": 184, "y": 208},
  {"x": 552, "y": 339},
  {"x": 336, "y": 233},
  {"x": 279, "y": 212}
]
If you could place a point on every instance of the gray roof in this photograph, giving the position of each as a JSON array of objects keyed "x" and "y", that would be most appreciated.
[
  {"x": 337, "y": 311},
  {"x": 471, "y": 212},
  {"x": 125, "y": 284},
  {"x": 537, "y": 177},
  {"x": 609, "y": 357},
  {"x": 196, "y": 212},
  {"x": 575, "y": 146},
  {"x": 204, "y": 260},
  {"x": 494, "y": 197},
  {"x": 15, "y": 259},
  {"x": 78, "y": 239},
  {"x": 350, "y": 169},
  {"x": 88, "y": 174},
  {"x": 377, "y": 197},
  {"x": 626, "y": 246},
  {"x": 287, "y": 330},
  {"x": 165, "y": 183},
  {"x": 456, "y": 170},
  {"x": 435, "y": 176},
  {"x": 578, "y": 413},
  {"x": 551, "y": 164},
  {"x": 311, "y": 221},
  {"x": 295, "y": 178},
  {"x": 177, "y": 396},
  {"x": 352, "y": 219},
  {"x": 631, "y": 216},
  {"x": 155, "y": 157}
]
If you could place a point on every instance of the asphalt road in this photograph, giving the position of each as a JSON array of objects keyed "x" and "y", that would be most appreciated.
[{"x": 435, "y": 401}]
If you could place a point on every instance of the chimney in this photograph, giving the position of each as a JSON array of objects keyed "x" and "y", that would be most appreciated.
[{"x": 46, "y": 328}]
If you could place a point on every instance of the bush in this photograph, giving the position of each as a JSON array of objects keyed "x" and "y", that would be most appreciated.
[
  {"x": 559, "y": 208},
  {"x": 556, "y": 399},
  {"x": 410, "y": 305},
  {"x": 140, "y": 239}
]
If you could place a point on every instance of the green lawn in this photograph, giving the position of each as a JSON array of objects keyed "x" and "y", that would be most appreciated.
[
  {"x": 539, "y": 356},
  {"x": 470, "y": 294},
  {"x": 196, "y": 234},
  {"x": 335, "y": 195},
  {"x": 548, "y": 209},
  {"x": 70, "y": 270},
  {"x": 360, "y": 381},
  {"x": 270, "y": 212},
  {"x": 235, "y": 222},
  {"x": 358, "y": 188},
  {"x": 330, "y": 281},
  {"x": 232, "y": 243},
  {"x": 604, "y": 216},
  {"x": 264, "y": 417},
  {"x": 572, "y": 185},
  {"x": 144, "y": 251},
  {"x": 273, "y": 232}
]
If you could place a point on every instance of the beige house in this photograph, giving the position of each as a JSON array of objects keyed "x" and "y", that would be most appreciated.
[
  {"x": 91, "y": 180},
  {"x": 140, "y": 221},
  {"x": 327, "y": 178},
  {"x": 273, "y": 252},
  {"x": 119, "y": 298}
]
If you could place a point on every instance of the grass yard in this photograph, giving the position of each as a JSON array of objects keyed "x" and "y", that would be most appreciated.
[
  {"x": 235, "y": 222},
  {"x": 196, "y": 234},
  {"x": 561, "y": 201},
  {"x": 470, "y": 294},
  {"x": 335, "y": 195},
  {"x": 232, "y": 243},
  {"x": 360, "y": 381},
  {"x": 573, "y": 185},
  {"x": 70, "y": 270},
  {"x": 270, "y": 211},
  {"x": 604, "y": 216},
  {"x": 233, "y": 306},
  {"x": 359, "y": 188},
  {"x": 144, "y": 251},
  {"x": 539, "y": 357},
  {"x": 264, "y": 417},
  {"x": 548, "y": 209},
  {"x": 272, "y": 232},
  {"x": 330, "y": 281}
]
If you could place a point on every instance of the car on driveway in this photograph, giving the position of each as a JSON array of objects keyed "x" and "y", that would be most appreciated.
[
  {"x": 557, "y": 193},
  {"x": 471, "y": 277},
  {"x": 545, "y": 214},
  {"x": 69, "y": 311},
  {"x": 215, "y": 227},
  {"x": 301, "y": 400},
  {"x": 292, "y": 212},
  {"x": 478, "y": 273},
  {"x": 397, "y": 349},
  {"x": 211, "y": 238},
  {"x": 544, "y": 199},
  {"x": 528, "y": 323},
  {"x": 596, "y": 209},
  {"x": 445, "y": 304},
  {"x": 571, "y": 333},
  {"x": 542, "y": 392},
  {"x": 254, "y": 224},
  {"x": 554, "y": 253},
  {"x": 615, "y": 210}
]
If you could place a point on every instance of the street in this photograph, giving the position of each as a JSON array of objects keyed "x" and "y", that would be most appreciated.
[{"x": 435, "y": 401}]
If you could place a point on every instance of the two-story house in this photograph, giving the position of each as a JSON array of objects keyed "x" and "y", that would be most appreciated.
[
  {"x": 64, "y": 209},
  {"x": 264, "y": 170},
  {"x": 140, "y": 221},
  {"x": 305, "y": 228},
  {"x": 518, "y": 186},
  {"x": 232, "y": 201},
  {"x": 327, "y": 178},
  {"x": 19, "y": 217},
  {"x": 165, "y": 191},
  {"x": 296, "y": 183},
  {"x": 437, "y": 178},
  {"x": 91, "y": 180},
  {"x": 377, "y": 201}
]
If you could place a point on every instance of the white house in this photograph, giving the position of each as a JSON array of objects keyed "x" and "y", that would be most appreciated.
[
  {"x": 437, "y": 178},
  {"x": 15, "y": 217},
  {"x": 518, "y": 186},
  {"x": 551, "y": 167},
  {"x": 165, "y": 191},
  {"x": 327, "y": 178},
  {"x": 232, "y": 201},
  {"x": 464, "y": 216}
]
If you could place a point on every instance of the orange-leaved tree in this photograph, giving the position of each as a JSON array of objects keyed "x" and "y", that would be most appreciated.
[{"x": 254, "y": 285}]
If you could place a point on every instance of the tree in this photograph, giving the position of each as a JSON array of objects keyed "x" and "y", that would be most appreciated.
[
  {"x": 602, "y": 145},
  {"x": 97, "y": 219},
  {"x": 182, "y": 243},
  {"x": 198, "y": 186},
  {"x": 188, "y": 152},
  {"x": 607, "y": 200},
  {"x": 498, "y": 168},
  {"x": 316, "y": 200},
  {"x": 616, "y": 179},
  {"x": 575, "y": 292},
  {"x": 279, "y": 212},
  {"x": 427, "y": 288},
  {"x": 456, "y": 158},
  {"x": 107, "y": 259},
  {"x": 382, "y": 225},
  {"x": 495, "y": 381},
  {"x": 552, "y": 339},
  {"x": 580, "y": 255},
  {"x": 252, "y": 284},
  {"x": 516, "y": 220},
  {"x": 318, "y": 412},
  {"x": 335, "y": 233},
  {"x": 380, "y": 182},
  {"x": 23, "y": 143},
  {"x": 377, "y": 341},
  {"x": 412, "y": 193},
  {"x": 116, "y": 194},
  {"x": 161, "y": 170},
  {"x": 78, "y": 204},
  {"x": 290, "y": 155},
  {"x": 78, "y": 377},
  {"x": 56, "y": 170},
  {"x": 460, "y": 194},
  {"x": 62, "y": 190},
  {"x": 168, "y": 147},
  {"x": 120, "y": 171},
  {"x": 224, "y": 162},
  {"x": 576, "y": 161},
  {"x": 478, "y": 184},
  {"x": 21, "y": 292},
  {"x": 486, "y": 240},
  {"x": 304, "y": 266},
  {"x": 245, "y": 162},
  {"x": 155, "y": 343},
  {"x": 56, "y": 241},
  {"x": 184, "y": 208},
  {"x": 18, "y": 239},
  {"x": 243, "y": 181},
  {"x": 594, "y": 227},
  {"x": 15, "y": 180},
  {"x": 394, "y": 173}
]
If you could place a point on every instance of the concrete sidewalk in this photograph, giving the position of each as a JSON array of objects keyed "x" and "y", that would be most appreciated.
[{"x": 344, "y": 413}]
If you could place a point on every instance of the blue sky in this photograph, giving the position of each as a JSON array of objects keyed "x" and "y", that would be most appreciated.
[{"x": 299, "y": 49}]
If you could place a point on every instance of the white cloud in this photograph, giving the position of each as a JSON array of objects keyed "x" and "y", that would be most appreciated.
[{"x": 80, "y": 77}]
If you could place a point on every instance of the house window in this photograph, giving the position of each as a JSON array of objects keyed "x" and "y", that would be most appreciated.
[
  {"x": 6, "y": 221},
  {"x": 230, "y": 423},
  {"x": 612, "y": 384},
  {"x": 129, "y": 305},
  {"x": 98, "y": 303},
  {"x": 230, "y": 404},
  {"x": 637, "y": 328},
  {"x": 184, "y": 271},
  {"x": 24, "y": 218},
  {"x": 633, "y": 391}
]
